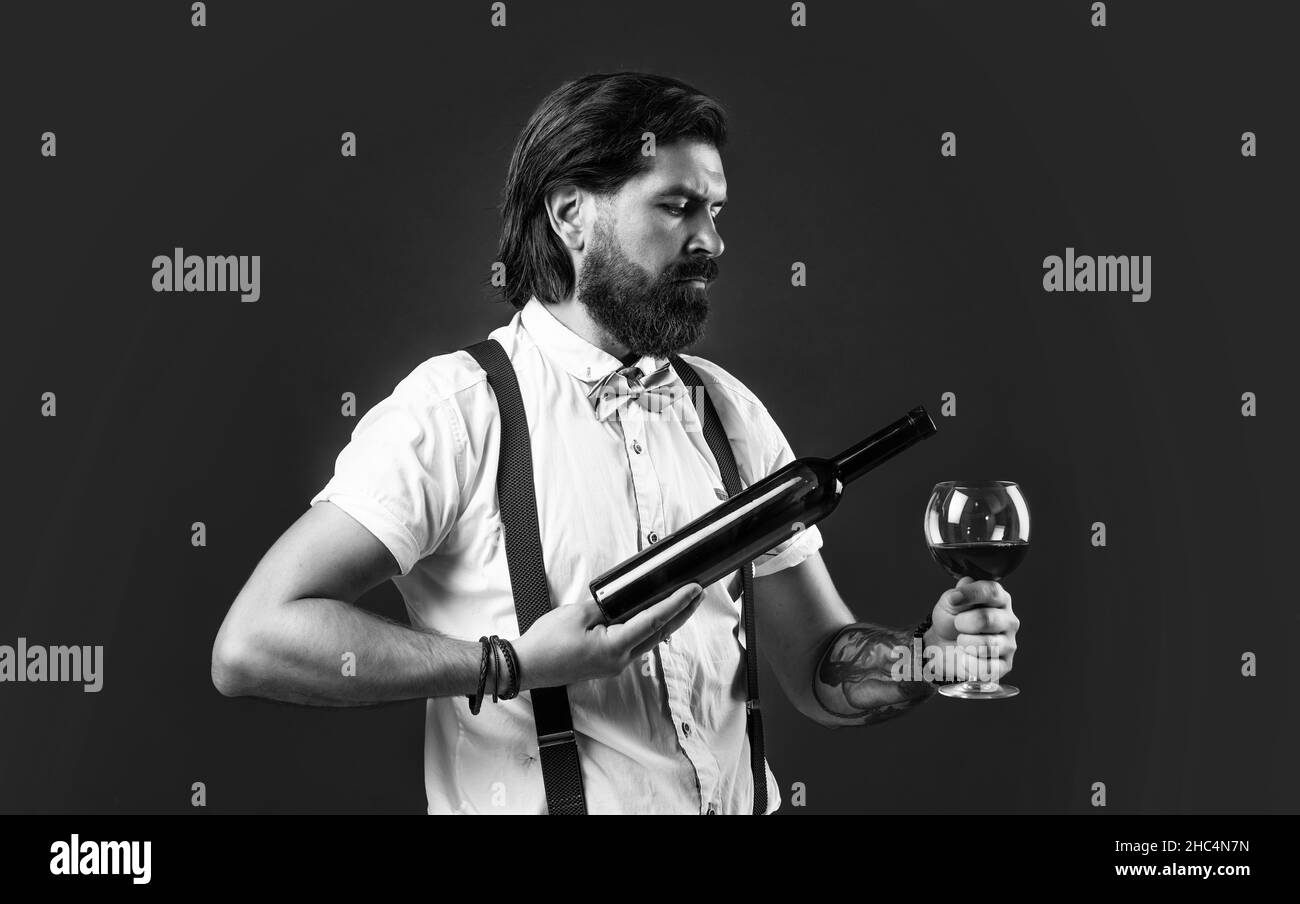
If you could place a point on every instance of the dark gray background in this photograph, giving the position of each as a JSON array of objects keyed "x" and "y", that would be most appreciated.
[{"x": 924, "y": 277}]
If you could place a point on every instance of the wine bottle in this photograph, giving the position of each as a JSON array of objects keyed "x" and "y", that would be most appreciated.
[{"x": 750, "y": 523}]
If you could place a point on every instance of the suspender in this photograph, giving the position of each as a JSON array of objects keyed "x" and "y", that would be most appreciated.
[
  {"x": 516, "y": 493},
  {"x": 716, "y": 437}
]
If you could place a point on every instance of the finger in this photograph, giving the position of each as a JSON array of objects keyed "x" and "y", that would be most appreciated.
[
  {"x": 682, "y": 617},
  {"x": 999, "y": 645},
  {"x": 984, "y": 620},
  {"x": 951, "y": 601},
  {"x": 974, "y": 666},
  {"x": 591, "y": 614},
  {"x": 651, "y": 620},
  {"x": 644, "y": 647},
  {"x": 669, "y": 629},
  {"x": 980, "y": 593}
]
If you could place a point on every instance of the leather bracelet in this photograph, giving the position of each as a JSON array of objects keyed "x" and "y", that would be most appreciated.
[
  {"x": 512, "y": 666},
  {"x": 496, "y": 665},
  {"x": 476, "y": 700}
]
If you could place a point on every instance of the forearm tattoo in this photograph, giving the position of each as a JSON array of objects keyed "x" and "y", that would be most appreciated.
[{"x": 853, "y": 680}]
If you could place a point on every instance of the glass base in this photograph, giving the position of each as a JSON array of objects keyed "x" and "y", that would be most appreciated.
[{"x": 976, "y": 690}]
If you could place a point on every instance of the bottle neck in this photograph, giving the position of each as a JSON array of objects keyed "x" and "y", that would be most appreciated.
[{"x": 883, "y": 445}]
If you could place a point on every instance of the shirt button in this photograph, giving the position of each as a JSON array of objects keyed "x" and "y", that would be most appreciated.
[
  {"x": 686, "y": 729},
  {"x": 652, "y": 537},
  {"x": 636, "y": 447}
]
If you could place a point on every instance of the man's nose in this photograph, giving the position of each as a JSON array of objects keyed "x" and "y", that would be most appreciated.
[{"x": 707, "y": 239}]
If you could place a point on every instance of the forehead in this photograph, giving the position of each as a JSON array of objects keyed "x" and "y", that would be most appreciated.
[{"x": 693, "y": 165}]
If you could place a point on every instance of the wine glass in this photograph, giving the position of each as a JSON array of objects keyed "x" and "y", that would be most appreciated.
[{"x": 978, "y": 528}]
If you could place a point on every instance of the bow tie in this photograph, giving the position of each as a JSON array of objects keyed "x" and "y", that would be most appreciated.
[{"x": 626, "y": 386}]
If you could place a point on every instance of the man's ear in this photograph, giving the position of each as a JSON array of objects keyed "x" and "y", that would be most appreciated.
[{"x": 571, "y": 212}]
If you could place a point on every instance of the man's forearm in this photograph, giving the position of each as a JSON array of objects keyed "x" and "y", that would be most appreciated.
[
  {"x": 852, "y": 682},
  {"x": 298, "y": 652}
]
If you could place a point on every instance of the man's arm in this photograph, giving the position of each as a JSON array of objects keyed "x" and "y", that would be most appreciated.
[
  {"x": 834, "y": 669},
  {"x": 287, "y": 633}
]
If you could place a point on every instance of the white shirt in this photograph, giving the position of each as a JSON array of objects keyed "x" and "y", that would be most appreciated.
[{"x": 667, "y": 735}]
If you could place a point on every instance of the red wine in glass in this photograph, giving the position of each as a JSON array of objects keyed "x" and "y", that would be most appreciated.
[
  {"x": 990, "y": 560},
  {"x": 980, "y": 529}
]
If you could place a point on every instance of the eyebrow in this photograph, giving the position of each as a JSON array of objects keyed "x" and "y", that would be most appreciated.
[{"x": 686, "y": 192}]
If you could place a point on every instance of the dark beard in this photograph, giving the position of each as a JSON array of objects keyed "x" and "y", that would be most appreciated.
[{"x": 651, "y": 316}]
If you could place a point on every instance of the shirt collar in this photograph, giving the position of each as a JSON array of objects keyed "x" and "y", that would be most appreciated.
[{"x": 579, "y": 357}]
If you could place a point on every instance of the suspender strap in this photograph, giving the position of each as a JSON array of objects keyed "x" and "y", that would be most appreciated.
[
  {"x": 516, "y": 495},
  {"x": 716, "y": 437}
]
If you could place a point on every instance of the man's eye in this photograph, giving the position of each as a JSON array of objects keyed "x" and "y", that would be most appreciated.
[{"x": 680, "y": 211}]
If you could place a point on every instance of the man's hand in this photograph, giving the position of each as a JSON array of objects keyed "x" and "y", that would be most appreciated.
[
  {"x": 974, "y": 619},
  {"x": 572, "y": 643}
]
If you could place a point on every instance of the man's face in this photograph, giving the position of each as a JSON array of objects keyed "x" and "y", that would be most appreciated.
[{"x": 644, "y": 275}]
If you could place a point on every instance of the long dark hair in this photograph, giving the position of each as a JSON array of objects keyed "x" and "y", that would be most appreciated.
[{"x": 588, "y": 133}]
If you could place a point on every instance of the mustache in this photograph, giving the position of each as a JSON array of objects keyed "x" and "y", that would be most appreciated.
[{"x": 707, "y": 269}]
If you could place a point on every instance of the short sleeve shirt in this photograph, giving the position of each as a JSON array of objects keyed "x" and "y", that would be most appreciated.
[{"x": 419, "y": 472}]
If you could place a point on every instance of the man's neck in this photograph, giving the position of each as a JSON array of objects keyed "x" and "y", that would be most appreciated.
[{"x": 574, "y": 315}]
